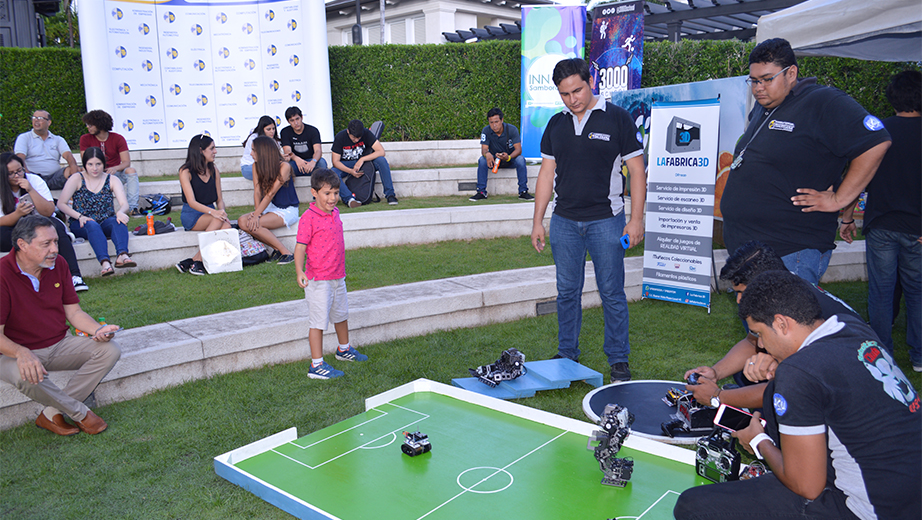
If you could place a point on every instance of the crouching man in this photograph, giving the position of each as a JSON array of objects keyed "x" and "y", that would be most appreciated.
[
  {"x": 37, "y": 300},
  {"x": 844, "y": 421}
]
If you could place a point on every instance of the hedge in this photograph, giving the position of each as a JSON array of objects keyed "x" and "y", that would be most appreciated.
[{"x": 424, "y": 92}]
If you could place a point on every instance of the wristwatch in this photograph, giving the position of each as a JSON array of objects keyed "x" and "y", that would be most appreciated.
[{"x": 715, "y": 401}]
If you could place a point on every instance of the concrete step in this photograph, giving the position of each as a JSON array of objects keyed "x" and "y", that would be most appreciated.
[{"x": 169, "y": 354}]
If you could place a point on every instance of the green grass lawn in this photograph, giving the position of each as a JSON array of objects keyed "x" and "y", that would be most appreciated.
[{"x": 155, "y": 461}]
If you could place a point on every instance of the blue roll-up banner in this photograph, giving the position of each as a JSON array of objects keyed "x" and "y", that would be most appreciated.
[
  {"x": 616, "y": 47},
  {"x": 549, "y": 34},
  {"x": 680, "y": 201}
]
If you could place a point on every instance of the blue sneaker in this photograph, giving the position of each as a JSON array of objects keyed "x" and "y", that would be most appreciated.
[
  {"x": 323, "y": 371},
  {"x": 350, "y": 355}
]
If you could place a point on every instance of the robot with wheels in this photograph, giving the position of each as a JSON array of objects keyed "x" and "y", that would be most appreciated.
[
  {"x": 616, "y": 423},
  {"x": 510, "y": 365},
  {"x": 415, "y": 444}
]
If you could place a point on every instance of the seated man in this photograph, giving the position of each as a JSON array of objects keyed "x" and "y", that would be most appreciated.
[
  {"x": 37, "y": 301},
  {"x": 42, "y": 152},
  {"x": 500, "y": 141},
  {"x": 99, "y": 133},
  {"x": 844, "y": 420},
  {"x": 746, "y": 362},
  {"x": 352, "y": 148},
  {"x": 301, "y": 144}
]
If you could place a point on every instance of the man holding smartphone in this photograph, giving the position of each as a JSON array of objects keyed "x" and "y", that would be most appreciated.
[
  {"x": 37, "y": 300},
  {"x": 848, "y": 441}
]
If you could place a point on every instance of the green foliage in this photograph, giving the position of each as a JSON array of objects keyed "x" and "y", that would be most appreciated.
[
  {"x": 425, "y": 92},
  {"x": 47, "y": 79},
  {"x": 56, "y": 27}
]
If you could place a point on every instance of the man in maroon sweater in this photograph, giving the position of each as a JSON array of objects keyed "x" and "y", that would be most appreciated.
[{"x": 37, "y": 300}]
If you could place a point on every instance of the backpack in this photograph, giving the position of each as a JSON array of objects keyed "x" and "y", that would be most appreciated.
[
  {"x": 363, "y": 188},
  {"x": 156, "y": 204},
  {"x": 252, "y": 251}
]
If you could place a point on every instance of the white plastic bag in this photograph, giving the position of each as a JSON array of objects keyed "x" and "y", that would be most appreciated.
[{"x": 220, "y": 250}]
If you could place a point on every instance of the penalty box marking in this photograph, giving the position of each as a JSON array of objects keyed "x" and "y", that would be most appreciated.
[
  {"x": 314, "y": 446},
  {"x": 647, "y": 510}
]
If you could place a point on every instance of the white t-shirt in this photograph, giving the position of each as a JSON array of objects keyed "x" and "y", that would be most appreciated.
[
  {"x": 38, "y": 184},
  {"x": 247, "y": 158}
]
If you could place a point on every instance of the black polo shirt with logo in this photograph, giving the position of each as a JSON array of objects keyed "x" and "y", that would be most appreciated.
[
  {"x": 588, "y": 183},
  {"x": 807, "y": 142}
]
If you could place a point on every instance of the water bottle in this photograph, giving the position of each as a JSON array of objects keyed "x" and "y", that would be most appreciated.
[
  {"x": 495, "y": 164},
  {"x": 150, "y": 224}
]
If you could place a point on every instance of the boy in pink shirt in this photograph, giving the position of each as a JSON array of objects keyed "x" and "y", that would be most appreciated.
[{"x": 323, "y": 275}]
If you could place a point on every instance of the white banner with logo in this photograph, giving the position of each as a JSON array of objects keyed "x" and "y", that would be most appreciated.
[
  {"x": 168, "y": 70},
  {"x": 680, "y": 201}
]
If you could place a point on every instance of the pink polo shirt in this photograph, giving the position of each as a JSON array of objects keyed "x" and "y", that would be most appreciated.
[{"x": 322, "y": 233}]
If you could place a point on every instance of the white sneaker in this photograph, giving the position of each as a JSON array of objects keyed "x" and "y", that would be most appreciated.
[
  {"x": 354, "y": 203},
  {"x": 79, "y": 284}
]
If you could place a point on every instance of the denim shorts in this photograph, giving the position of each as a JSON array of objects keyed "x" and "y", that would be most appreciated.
[{"x": 189, "y": 217}]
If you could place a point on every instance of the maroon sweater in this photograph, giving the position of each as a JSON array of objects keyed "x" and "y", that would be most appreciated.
[{"x": 32, "y": 319}]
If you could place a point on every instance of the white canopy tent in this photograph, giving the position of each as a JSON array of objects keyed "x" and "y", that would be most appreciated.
[{"x": 877, "y": 30}]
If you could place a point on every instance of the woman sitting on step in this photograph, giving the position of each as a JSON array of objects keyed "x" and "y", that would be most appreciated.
[
  {"x": 203, "y": 204},
  {"x": 274, "y": 197},
  {"x": 265, "y": 126},
  {"x": 93, "y": 215}
]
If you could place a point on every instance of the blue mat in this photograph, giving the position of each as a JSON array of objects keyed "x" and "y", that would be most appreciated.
[{"x": 549, "y": 374}]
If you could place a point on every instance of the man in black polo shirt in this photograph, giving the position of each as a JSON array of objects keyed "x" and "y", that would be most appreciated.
[
  {"x": 301, "y": 144},
  {"x": 786, "y": 185},
  {"x": 352, "y": 148},
  {"x": 499, "y": 141},
  {"x": 582, "y": 151}
]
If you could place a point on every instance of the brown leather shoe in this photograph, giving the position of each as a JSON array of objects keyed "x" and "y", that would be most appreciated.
[
  {"x": 92, "y": 423},
  {"x": 56, "y": 425}
]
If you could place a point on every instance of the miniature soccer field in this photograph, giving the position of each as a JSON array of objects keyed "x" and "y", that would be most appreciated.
[{"x": 489, "y": 459}]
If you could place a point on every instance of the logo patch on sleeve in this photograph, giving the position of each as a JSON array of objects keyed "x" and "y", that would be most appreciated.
[
  {"x": 882, "y": 368},
  {"x": 598, "y": 136},
  {"x": 872, "y": 123},
  {"x": 781, "y": 405}
]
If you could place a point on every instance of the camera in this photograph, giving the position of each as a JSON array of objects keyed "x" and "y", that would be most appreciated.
[{"x": 716, "y": 457}]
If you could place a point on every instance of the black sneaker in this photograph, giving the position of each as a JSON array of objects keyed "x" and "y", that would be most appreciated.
[
  {"x": 275, "y": 255},
  {"x": 478, "y": 196},
  {"x": 198, "y": 269},
  {"x": 558, "y": 356},
  {"x": 285, "y": 259},
  {"x": 526, "y": 196},
  {"x": 620, "y": 372},
  {"x": 184, "y": 265},
  {"x": 392, "y": 200},
  {"x": 79, "y": 284}
]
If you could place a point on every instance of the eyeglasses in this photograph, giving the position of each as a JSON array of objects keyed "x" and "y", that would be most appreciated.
[
  {"x": 21, "y": 170},
  {"x": 756, "y": 82},
  {"x": 41, "y": 118}
]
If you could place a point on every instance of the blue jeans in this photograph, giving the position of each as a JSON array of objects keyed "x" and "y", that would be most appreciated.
[
  {"x": 808, "y": 264},
  {"x": 321, "y": 163},
  {"x": 97, "y": 233},
  {"x": 570, "y": 241},
  {"x": 384, "y": 171},
  {"x": 132, "y": 188},
  {"x": 891, "y": 254},
  {"x": 521, "y": 171}
]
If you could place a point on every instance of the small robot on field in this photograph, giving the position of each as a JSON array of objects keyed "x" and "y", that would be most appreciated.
[
  {"x": 416, "y": 443},
  {"x": 616, "y": 427},
  {"x": 690, "y": 416},
  {"x": 510, "y": 365}
]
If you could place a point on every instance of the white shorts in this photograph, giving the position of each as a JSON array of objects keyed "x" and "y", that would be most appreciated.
[
  {"x": 289, "y": 215},
  {"x": 327, "y": 302}
]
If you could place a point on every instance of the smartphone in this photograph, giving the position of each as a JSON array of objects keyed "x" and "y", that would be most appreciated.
[
  {"x": 733, "y": 419},
  {"x": 110, "y": 334}
]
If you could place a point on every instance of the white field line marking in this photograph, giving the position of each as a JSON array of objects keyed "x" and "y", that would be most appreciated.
[
  {"x": 362, "y": 446},
  {"x": 658, "y": 500},
  {"x": 492, "y": 475}
]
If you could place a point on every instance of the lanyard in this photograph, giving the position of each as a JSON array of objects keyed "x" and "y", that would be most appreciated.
[{"x": 739, "y": 158}]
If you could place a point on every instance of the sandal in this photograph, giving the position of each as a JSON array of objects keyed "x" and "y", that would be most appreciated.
[
  {"x": 107, "y": 269},
  {"x": 128, "y": 262}
]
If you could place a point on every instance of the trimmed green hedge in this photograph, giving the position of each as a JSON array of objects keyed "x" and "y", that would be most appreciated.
[
  {"x": 423, "y": 92},
  {"x": 41, "y": 79}
]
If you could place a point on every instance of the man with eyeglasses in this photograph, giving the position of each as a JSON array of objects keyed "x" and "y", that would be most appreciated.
[
  {"x": 42, "y": 152},
  {"x": 786, "y": 185}
]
